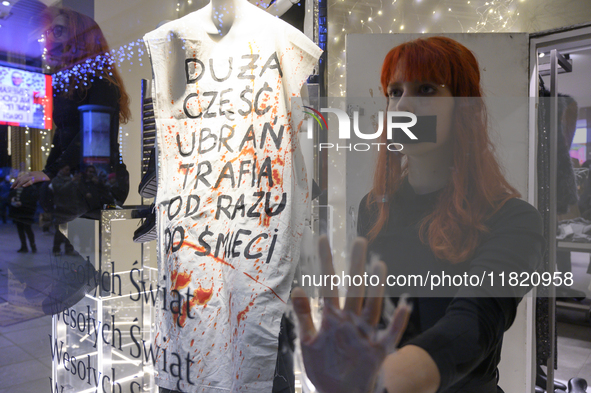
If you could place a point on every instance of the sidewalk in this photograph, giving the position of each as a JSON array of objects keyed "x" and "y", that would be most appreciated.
[{"x": 25, "y": 364}]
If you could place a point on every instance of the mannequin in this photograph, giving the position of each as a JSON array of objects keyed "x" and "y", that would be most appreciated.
[
  {"x": 232, "y": 190},
  {"x": 221, "y": 16}
]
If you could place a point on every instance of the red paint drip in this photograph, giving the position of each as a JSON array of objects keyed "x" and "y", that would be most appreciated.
[
  {"x": 195, "y": 247},
  {"x": 175, "y": 313},
  {"x": 242, "y": 314},
  {"x": 269, "y": 288}
]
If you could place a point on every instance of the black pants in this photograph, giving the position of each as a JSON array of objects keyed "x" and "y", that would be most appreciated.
[
  {"x": 3, "y": 211},
  {"x": 24, "y": 231},
  {"x": 59, "y": 239}
]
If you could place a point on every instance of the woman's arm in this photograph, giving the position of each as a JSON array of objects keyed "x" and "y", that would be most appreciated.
[
  {"x": 410, "y": 369},
  {"x": 468, "y": 337}
]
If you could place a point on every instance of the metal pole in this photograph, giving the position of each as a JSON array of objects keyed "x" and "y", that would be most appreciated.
[{"x": 552, "y": 213}]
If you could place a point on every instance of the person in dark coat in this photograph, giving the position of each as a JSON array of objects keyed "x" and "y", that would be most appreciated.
[
  {"x": 23, "y": 204},
  {"x": 4, "y": 198}
]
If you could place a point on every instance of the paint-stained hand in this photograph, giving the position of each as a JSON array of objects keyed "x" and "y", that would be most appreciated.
[{"x": 346, "y": 353}]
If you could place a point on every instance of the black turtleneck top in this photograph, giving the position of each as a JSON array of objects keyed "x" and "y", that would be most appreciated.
[
  {"x": 461, "y": 328},
  {"x": 66, "y": 148}
]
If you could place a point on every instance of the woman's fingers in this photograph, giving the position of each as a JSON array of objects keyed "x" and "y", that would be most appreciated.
[
  {"x": 397, "y": 325},
  {"x": 355, "y": 293},
  {"x": 301, "y": 305},
  {"x": 375, "y": 294},
  {"x": 18, "y": 182},
  {"x": 330, "y": 294},
  {"x": 24, "y": 179}
]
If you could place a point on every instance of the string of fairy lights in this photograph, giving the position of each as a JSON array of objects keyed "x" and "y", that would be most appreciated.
[
  {"x": 413, "y": 16},
  {"x": 346, "y": 17},
  {"x": 362, "y": 16},
  {"x": 98, "y": 67},
  {"x": 82, "y": 75},
  {"x": 499, "y": 15},
  {"x": 399, "y": 16}
]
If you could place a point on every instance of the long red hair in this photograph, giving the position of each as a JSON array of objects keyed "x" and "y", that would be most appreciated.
[
  {"x": 87, "y": 42},
  {"x": 477, "y": 188}
]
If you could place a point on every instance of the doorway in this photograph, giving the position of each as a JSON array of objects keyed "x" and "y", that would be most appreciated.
[{"x": 570, "y": 88}]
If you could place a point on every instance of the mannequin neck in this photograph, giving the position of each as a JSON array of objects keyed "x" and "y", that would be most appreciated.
[{"x": 222, "y": 16}]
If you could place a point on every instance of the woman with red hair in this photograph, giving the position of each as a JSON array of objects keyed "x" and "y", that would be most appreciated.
[
  {"x": 441, "y": 204},
  {"x": 84, "y": 76}
]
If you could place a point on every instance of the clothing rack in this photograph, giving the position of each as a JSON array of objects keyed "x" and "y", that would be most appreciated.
[{"x": 148, "y": 125}]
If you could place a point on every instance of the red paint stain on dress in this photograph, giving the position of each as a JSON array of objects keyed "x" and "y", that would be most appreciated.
[
  {"x": 269, "y": 288},
  {"x": 276, "y": 177},
  {"x": 201, "y": 296},
  {"x": 175, "y": 311},
  {"x": 180, "y": 280},
  {"x": 195, "y": 247},
  {"x": 265, "y": 220},
  {"x": 247, "y": 151},
  {"x": 198, "y": 248},
  {"x": 242, "y": 314},
  {"x": 278, "y": 161}
]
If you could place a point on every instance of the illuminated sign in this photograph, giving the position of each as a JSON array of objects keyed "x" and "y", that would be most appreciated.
[{"x": 25, "y": 98}]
